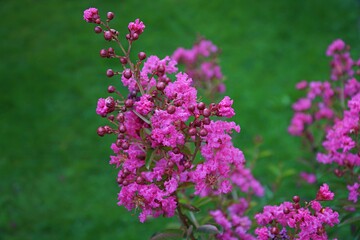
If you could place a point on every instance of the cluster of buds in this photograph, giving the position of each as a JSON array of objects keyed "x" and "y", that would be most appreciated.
[
  {"x": 292, "y": 220},
  {"x": 165, "y": 139}
]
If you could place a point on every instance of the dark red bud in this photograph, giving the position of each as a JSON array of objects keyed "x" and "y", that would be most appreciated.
[
  {"x": 206, "y": 121},
  {"x": 119, "y": 180},
  {"x": 201, "y": 106},
  {"x": 122, "y": 128},
  {"x": 296, "y": 199},
  {"x": 125, "y": 183},
  {"x": 141, "y": 56},
  {"x": 110, "y": 103},
  {"x": 98, "y": 29},
  {"x": 192, "y": 131},
  {"x": 191, "y": 108},
  {"x": 127, "y": 73},
  {"x": 160, "y": 86},
  {"x": 206, "y": 112},
  {"x": 139, "y": 180},
  {"x": 274, "y": 230},
  {"x": 111, "y": 89},
  {"x": 108, "y": 35},
  {"x": 118, "y": 142},
  {"x": 203, "y": 132},
  {"x": 125, "y": 145},
  {"x": 108, "y": 129},
  {"x": 123, "y": 60},
  {"x": 286, "y": 210},
  {"x": 160, "y": 70},
  {"x": 129, "y": 103},
  {"x": 111, "y": 50},
  {"x": 176, "y": 150},
  {"x": 103, "y": 53},
  {"x": 134, "y": 36},
  {"x": 109, "y": 73},
  {"x": 171, "y": 109},
  {"x": 170, "y": 164},
  {"x": 110, "y": 15},
  {"x": 101, "y": 131},
  {"x": 120, "y": 117}
]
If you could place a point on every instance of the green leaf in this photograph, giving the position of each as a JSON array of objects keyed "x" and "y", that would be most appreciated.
[
  {"x": 189, "y": 207},
  {"x": 168, "y": 234},
  {"x": 350, "y": 220},
  {"x": 202, "y": 201},
  {"x": 149, "y": 157},
  {"x": 208, "y": 229}
]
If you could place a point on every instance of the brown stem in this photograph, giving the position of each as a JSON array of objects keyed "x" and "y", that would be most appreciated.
[{"x": 184, "y": 219}]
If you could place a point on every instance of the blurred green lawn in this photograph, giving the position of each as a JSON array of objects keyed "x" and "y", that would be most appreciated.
[{"x": 55, "y": 179}]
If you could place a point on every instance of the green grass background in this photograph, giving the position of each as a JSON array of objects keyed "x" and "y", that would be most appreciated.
[{"x": 55, "y": 179}]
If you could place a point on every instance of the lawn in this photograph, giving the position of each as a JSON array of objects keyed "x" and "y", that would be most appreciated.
[{"x": 55, "y": 179}]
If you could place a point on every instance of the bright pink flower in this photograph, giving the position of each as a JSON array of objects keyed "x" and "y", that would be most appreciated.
[
  {"x": 263, "y": 233},
  {"x": 308, "y": 177},
  {"x": 144, "y": 105},
  {"x": 91, "y": 14},
  {"x": 243, "y": 178},
  {"x": 136, "y": 27},
  {"x": 353, "y": 192},
  {"x": 225, "y": 107},
  {"x": 210, "y": 71},
  {"x": 171, "y": 185},
  {"x": 302, "y": 104},
  {"x": 298, "y": 123},
  {"x": 336, "y": 46},
  {"x": 324, "y": 193},
  {"x": 301, "y": 85},
  {"x": 101, "y": 108}
]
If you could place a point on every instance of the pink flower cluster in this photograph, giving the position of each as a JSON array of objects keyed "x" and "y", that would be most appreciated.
[
  {"x": 201, "y": 65},
  {"x": 165, "y": 139},
  {"x": 341, "y": 139},
  {"x": 290, "y": 220},
  {"x": 233, "y": 222},
  {"x": 91, "y": 15},
  {"x": 342, "y": 63},
  {"x": 331, "y": 109},
  {"x": 320, "y": 102}
]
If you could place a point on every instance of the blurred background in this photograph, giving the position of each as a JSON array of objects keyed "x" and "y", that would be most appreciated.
[{"x": 55, "y": 179}]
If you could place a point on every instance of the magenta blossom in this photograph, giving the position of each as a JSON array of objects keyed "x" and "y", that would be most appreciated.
[{"x": 91, "y": 15}]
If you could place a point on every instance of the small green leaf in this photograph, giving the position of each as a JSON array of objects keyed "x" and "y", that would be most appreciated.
[
  {"x": 350, "y": 220},
  {"x": 208, "y": 229},
  {"x": 189, "y": 207},
  {"x": 149, "y": 158},
  {"x": 202, "y": 201}
]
